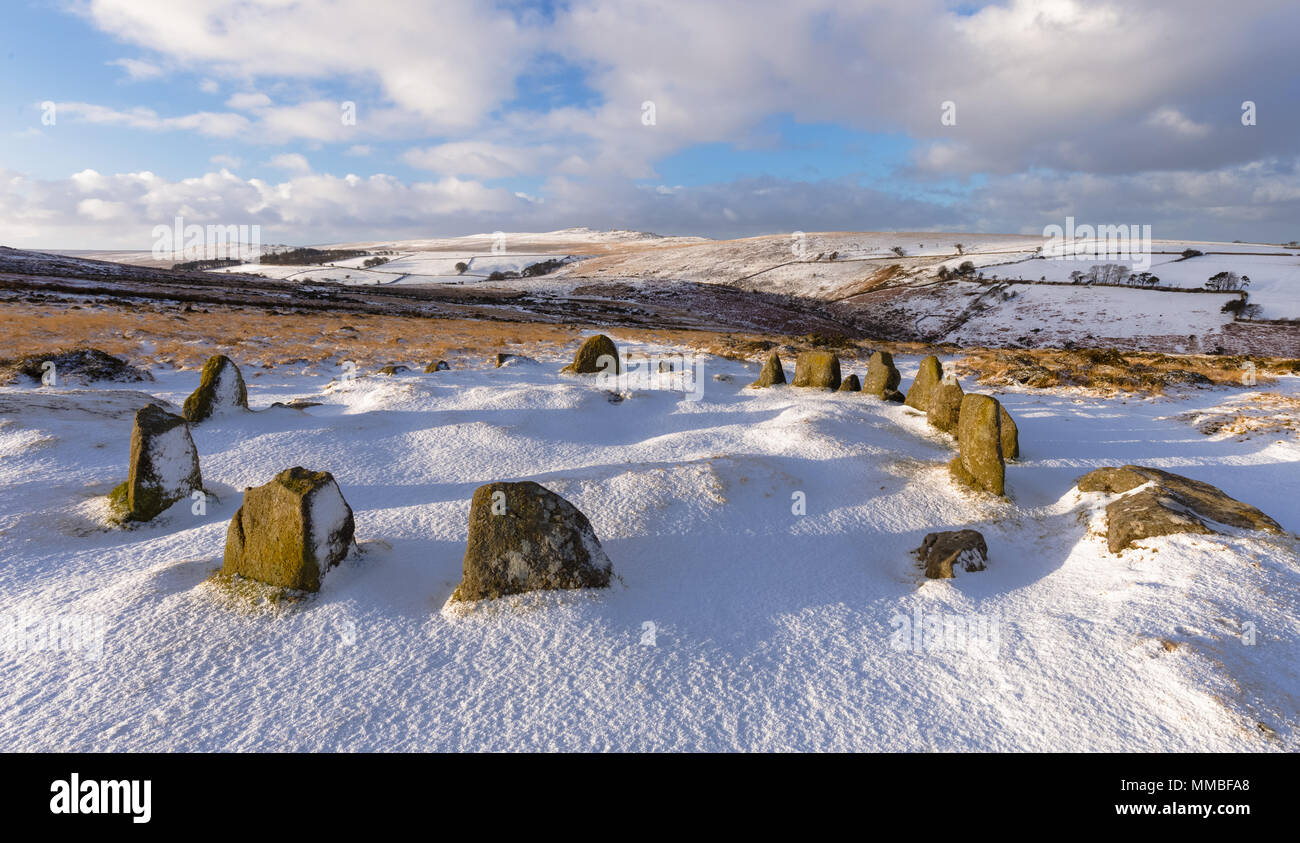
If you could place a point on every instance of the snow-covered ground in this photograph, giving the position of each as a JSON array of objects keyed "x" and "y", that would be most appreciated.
[
  {"x": 1274, "y": 276},
  {"x": 1053, "y": 315},
  {"x": 574, "y": 239},
  {"x": 416, "y": 268},
  {"x": 734, "y": 623}
]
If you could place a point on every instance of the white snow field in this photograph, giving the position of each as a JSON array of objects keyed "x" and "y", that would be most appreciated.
[
  {"x": 1274, "y": 277},
  {"x": 417, "y": 268},
  {"x": 734, "y": 624}
]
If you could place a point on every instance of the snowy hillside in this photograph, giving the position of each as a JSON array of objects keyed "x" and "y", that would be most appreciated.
[
  {"x": 887, "y": 285},
  {"x": 733, "y": 623}
]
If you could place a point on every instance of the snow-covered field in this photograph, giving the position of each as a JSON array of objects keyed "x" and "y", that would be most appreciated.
[
  {"x": 1274, "y": 276},
  {"x": 734, "y": 623},
  {"x": 417, "y": 268},
  {"x": 1053, "y": 315}
]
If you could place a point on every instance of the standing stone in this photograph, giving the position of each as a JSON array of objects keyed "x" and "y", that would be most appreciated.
[
  {"x": 221, "y": 388},
  {"x": 290, "y": 531},
  {"x": 524, "y": 537},
  {"x": 851, "y": 384},
  {"x": 772, "y": 373},
  {"x": 882, "y": 376},
  {"x": 945, "y": 405},
  {"x": 817, "y": 369},
  {"x": 979, "y": 462},
  {"x": 437, "y": 366},
  {"x": 594, "y": 357},
  {"x": 927, "y": 377},
  {"x": 164, "y": 465},
  {"x": 1010, "y": 436}
]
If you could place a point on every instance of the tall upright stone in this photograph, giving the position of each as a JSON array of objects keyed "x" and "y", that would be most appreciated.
[
  {"x": 979, "y": 462},
  {"x": 164, "y": 466},
  {"x": 597, "y": 355},
  {"x": 221, "y": 389},
  {"x": 927, "y": 377},
  {"x": 817, "y": 370},
  {"x": 290, "y": 531},
  {"x": 882, "y": 376},
  {"x": 1010, "y": 435},
  {"x": 771, "y": 374},
  {"x": 944, "y": 408}
]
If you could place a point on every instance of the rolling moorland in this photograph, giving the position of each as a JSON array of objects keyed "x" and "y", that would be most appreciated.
[{"x": 733, "y": 619}]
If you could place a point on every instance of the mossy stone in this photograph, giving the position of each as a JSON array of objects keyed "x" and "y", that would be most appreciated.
[
  {"x": 944, "y": 406},
  {"x": 524, "y": 537},
  {"x": 437, "y": 366},
  {"x": 275, "y": 537},
  {"x": 771, "y": 374},
  {"x": 979, "y": 440},
  {"x": 164, "y": 466},
  {"x": 817, "y": 370},
  {"x": 221, "y": 387},
  {"x": 851, "y": 384},
  {"x": 1173, "y": 504},
  {"x": 882, "y": 375},
  {"x": 1147, "y": 514},
  {"x": 1111, "y": 479},
  {"x": 1010, "y": 436},
  {"x": 596, "y": 355},
  {"x": 945, "y": 553},
  {"x": 927, "y": 377}
]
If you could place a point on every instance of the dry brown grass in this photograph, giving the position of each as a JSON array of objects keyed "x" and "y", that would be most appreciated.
[
  {"x": 161, "y": 334},
  {"x": 1110, "y": 372},
  {"x": 158, "y": 333},
  {"x": 1248, "y": 415}
]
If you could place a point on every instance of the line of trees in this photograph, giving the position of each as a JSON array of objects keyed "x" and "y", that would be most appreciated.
[
  {"x": 305, "y": 256},
  {"x": 966, "y": 270},
  {"x": 212, "y": 263},
  {"x": 1114, "y": 275},
  {"x": 1227, "y": 282}
]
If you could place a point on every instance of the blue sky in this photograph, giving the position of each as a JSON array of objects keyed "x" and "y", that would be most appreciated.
[{"x": 769, "y": 117}]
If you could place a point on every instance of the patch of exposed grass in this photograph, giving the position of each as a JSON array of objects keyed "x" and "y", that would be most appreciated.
[
  {"x": 250, "y": 596},
  {"x": 1108, "y": 371},
  {"x": 1248, "y": 415}
]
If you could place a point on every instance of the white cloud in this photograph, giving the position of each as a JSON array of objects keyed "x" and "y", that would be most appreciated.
[
  {"x": 137, "y": 69},
  {"x": 1074, "y": 91},
  {"x": 204, "y": 122},
  {"x": 248, "y": 101},
  {"x": 88, "y": 181},
  {"x": 450, "y": 62},
  {"x": 359, "y": 150},
  {"x": 291, "y": 161},
  {"x": 94, "y": 210},
  {"x": 476, "y": 158},
  {"x": 101, "y": 210},
  {"x": 1177, "y": 122}
]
